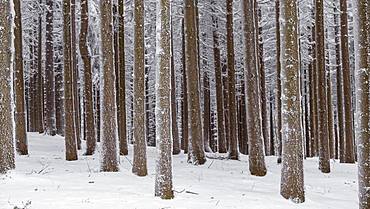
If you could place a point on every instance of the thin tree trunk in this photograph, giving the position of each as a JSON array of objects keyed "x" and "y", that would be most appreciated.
[
  {"x": 86, "y": 59},
  {"x": 233, "y": 141},
  {"x": 139, "y": 163},
  {"x": 20, "y": 112},
  {"x": 349, "y": 155},
  {"x": 70, "y": 131},
  {"x": 322, "y": 91},
  {"x": 185, "y": 115},
  {"x": 174, "y": 127}
]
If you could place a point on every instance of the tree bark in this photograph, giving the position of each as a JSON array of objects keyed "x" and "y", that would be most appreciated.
[
  {"x": 7, "y": 154},
  {"x": 256, "y": 154},
  {"x": 324, "y": 154},
  {"x": 349, "y": 155},
  {"x": 362, "y": 49},
  {"x": 163, "y": 183},
  {"x": 70, "y": 131},
  {"x": 292, "y": 182},
  {"x": 196, "y": 152},
  {"x": 110, "y": 158},
  {"x": 20, "y": 112},
  {"x": 139, "y": 162}
]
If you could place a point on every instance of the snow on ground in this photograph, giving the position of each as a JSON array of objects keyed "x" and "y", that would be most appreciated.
[{"x": 44, "y": 180}]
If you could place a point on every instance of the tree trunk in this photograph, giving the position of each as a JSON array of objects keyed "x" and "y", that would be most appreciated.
[
  {"x": 49, "y": 72},
  {"x": 322, "y": 100},
  {"x": 7, "y": 154},
  {"x": 196, "y": 152},
  {"x": 163, "y": 183},
  {"x": 40, "y": 87},
  {"x": 185, "y": 115},
  {"x": 139, "y": 162},
  {"x": 122, "y": 82},
  {"x": 70, "y": 131},
  {"x": 278, "y": 83},
  {"x": 86, "y": 59},
  {"x": 256, "y": 154},
  {"x": 110, "y": 158},
  {"x": 349, "y": 155},
  {"x": 174, "y": 125},
  {"x": 20, "y": 112},
  {"x": 233, "y": 141},
  {"x": 292, "y": 182},
  {"x": 362, "y": 48}
]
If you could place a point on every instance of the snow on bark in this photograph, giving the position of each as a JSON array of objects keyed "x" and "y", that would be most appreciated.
[
  {"x": 163, "y": 183},
  {"x": 6, "y": 117}
]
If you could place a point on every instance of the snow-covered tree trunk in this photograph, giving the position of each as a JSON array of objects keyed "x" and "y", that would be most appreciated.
[
  {"x": 196, "y": 148},
  {"x": 6, "y": 116},
  {"x": 362, "y": 45},
  {"x": 292, "y": 182},
  {"x": 163, "y": 183},
  {"x": 20, "y": 112},
  {"x": 256, "y": 154},
  {"x": 109, "y": 138},
  {"x": 86, "y": 58},
  {"x": 70, "y": 131},
  {"x": 139, "y": 163},
  {"x": 50, "y": 122}
]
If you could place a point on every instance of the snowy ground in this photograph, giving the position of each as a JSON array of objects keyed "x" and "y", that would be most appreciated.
[{"x": 44, "y": 180}]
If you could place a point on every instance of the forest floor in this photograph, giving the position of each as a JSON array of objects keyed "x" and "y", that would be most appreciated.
[{"x": 44, "y": 180}]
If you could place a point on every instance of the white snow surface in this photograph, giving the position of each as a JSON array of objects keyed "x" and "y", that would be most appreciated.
[{"x": 45, "y": 180}]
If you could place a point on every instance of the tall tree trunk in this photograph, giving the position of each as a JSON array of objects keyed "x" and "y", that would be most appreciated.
[
  {"x": 340, "y": 125},
  {"x": 110, "y": 158},
  {"x": 121, "y": 76},
  {"x": 76, "y": 97},
  {"x": 256, "y": 154},
  {"x": 139, "y": 163},
  {"x": 206, "y": 112},
  {"x": 196, "y": 152},
  {"x": 49, "y": 72},
  {"x": 40, "y": 87},
  {"x": 163, "y": 183},
  {"x": 70, "y": 131},
  {"x": 219, "y": 90},
  {"x": 7, "y": 154},
  {"x": 174, "y": 125},
  {"x": 86, "y": 59},
  {"x": 185, "y": 110},
  {"x": 349, "y": 155},
  {"x": 322, "y": 101},
  {"x": 20, "y": 112},
  {"x": 278, "y": 83},
  {"x": 292, "y": 182},
  {"x": 233, "y": 141},
  {"x": 362, "y": 48}
]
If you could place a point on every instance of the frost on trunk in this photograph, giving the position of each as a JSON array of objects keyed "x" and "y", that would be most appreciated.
[
  {"x": 362, "y": 44},
  {"x": 139, "y": 163},
  {"x": 163, "y": 183},
  {"x": 50, "y": 123},
  {"x": 292, "y": 182},
  {"x": 6, "y": 125},
  {"x": 86, "y": 58},
  {"x": 70, "y": 132},
  {"x": 256, "y": 154},
  {"x": 109, "y": 158},
  {"x": 196, "y": 147},
  {"x": 20, "y": 112}
]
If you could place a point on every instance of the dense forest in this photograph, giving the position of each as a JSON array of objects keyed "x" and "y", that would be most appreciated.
[{"x": 214, "y": 80}]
